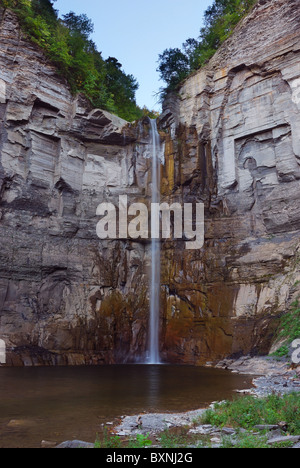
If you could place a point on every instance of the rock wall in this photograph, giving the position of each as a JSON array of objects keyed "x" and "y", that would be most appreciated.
[
  {"x": 231, "y": 139},
  {"x": 65, "y": 296},
  {"x": 233, "y": 143}
]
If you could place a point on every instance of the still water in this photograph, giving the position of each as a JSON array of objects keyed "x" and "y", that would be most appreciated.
[{"x": 58, "y": 404}]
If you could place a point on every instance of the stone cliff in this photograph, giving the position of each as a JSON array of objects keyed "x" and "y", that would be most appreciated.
[
  {"x": 231, "y": 138},
  {"x": 233, "y": 143},
  {"x": 65, "y": 297}
]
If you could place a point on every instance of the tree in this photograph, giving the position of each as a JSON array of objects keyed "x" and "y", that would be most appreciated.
[
  {"x": 44, "y": 8},
  {"x": 79, "y": 24},
  {"x": 191, "y": 47},
  {"x": 123, "y": 88},
  {"x": 173, "y": 67},
  {"x": 68, "y": 45},
  {"x": 220, "y": 20}
]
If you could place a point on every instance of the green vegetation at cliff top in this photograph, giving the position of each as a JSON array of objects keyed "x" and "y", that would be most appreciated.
[
  {"x": 67, "y": 44},
  {"x": 220, "y": 19}
]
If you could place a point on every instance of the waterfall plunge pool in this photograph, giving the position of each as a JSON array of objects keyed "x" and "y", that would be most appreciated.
[{"x": 66, "y": 403}]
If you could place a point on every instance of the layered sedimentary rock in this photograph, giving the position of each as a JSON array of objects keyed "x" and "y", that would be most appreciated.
[
  {"x": 65, "y": 296},
  {"x": 231, "y": 139},
  {"x": 233, "y": 143}
]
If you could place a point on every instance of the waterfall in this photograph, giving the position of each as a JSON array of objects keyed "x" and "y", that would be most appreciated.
[{"x": 154, "y": 357}]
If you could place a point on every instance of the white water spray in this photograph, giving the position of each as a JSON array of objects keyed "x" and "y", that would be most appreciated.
[{"x": 154, "y": 357}]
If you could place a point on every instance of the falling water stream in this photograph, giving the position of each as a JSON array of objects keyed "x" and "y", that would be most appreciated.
[{"x": 154, "y": 357}]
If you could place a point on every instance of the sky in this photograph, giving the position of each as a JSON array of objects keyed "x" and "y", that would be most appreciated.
[{"x": 137, "y": 31}]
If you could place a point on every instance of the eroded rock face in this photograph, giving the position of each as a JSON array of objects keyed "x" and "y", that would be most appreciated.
[
  {"x": 65, "y": 296},
  {"x": 231, "y": 141}
]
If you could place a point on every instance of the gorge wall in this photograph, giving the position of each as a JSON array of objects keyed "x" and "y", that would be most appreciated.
[
  {"x": 233, "y": 143},
  {"x": 231, "y": 140},
  {"x": 65, "y": 297}
]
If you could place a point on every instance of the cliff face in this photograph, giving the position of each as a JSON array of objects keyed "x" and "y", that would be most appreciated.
[
  {"x": 231, "y": 141},
  {"x": 65, "y": 297}
]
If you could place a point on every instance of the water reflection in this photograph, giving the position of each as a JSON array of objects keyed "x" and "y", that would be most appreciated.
[
  {"x": 153, "y": 386},
  {"x": 71, "y": 403}
]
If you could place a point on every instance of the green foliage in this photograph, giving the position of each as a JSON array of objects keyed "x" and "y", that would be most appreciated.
[
  {"x": 283, "y": 351},
  {"x": 249, "y": 411},
  {"x": 290, "y": 323},
  {"x": 288, "y": 329},
  {"x": 243, "y": 414},
  {"x": 219, "y": 22},
  {"x": 67, "y": 44},
  {"x": 174, "y": 67},
  {"x": 140, "y": 441},
  {"x": 169, "y": 439},
  {"x": 112, "y": 441},
  {"x": 245, "y": 441},
  {"x": 108, "y": 441},
  {"x": 80, "y": 25}
]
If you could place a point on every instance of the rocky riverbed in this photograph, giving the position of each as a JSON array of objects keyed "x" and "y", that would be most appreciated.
[{"x": 271, "y": 375}]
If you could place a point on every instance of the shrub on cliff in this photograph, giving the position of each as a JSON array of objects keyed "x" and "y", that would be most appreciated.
[
  {"x": 68, "y": 45},
  {"x": 288, "y": 330}
]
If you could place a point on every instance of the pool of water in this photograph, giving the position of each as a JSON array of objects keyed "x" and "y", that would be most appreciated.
[{"x": 58, "y": 404}]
